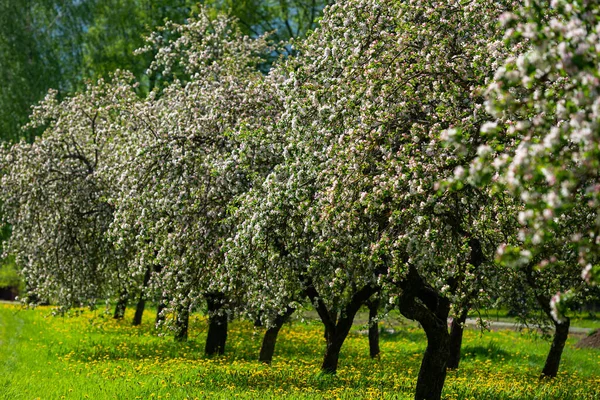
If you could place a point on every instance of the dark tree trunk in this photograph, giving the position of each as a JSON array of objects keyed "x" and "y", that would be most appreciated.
[
  {"x": 141, "y": 304},
  {"x": 433, "y": 367},
  {"x": 335, "y": 337},
  {"x": 456, "y": 337},
  {"x": 182, "y": 320},
  {"x": 217, "y": 325},
  {"x": 335, "y": 340},
  {"x": 373, "y": 328},
  {"x": 139, "y": 310},
  {"x": 561, "y": 334},
  {"x": 476, "y": 258},
  {"x": 337, "y": 329},
  {"x": 217, "y": 335},
  {"x": 121, "y": 306},
  {"x": 420, "y": 302},
  {"x": 268, "y": 344},
  {"x": 162, "y": 303}
]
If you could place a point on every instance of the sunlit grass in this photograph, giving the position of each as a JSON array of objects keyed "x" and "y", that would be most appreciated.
[
  {"x": 93, "y": 356},
  {"x": 582, "y": 319}
]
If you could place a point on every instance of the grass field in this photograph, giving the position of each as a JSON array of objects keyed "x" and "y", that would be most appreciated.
[
  {"x": 92, "y": 356},
  {"x": 579, "y": 319}
]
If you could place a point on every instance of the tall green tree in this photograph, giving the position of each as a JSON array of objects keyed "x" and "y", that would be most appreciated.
[
  {"x": 119, "y": 28},
  {"x": 286, "y": 19},
  {"x": 38, "y": 50},
  {"x": 60, "y": 44}
]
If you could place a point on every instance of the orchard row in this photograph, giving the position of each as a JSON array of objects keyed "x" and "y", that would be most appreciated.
[{"x": 430, "y": 156}]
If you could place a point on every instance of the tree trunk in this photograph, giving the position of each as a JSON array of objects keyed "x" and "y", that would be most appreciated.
[
  {"x": 561, "y": 334},
  {"x": 335, "y": 340},
  {"x": 456, "y": 336},
  {"x": 217, "y": 325},
  {"x": 182, "y": 321},
  {"x": 121, "y": 306},
  {"x": 336, "y": 329},
  {"x": 336, "y": 332},
  {"x": 268, "y": 344},
  {"x": 476, "y": 258},
  {"x": 141, "y": 304},
  {"x": 420, "y": 302},
  {"x": 139, "y": 310},
  {"x": 162, "y": 303},
  {"x": 258, "y": 321},
  {"x": 217, "y": 335},
  {"x": 373, "y": 328},
  {"x": 433, "y": 367}
]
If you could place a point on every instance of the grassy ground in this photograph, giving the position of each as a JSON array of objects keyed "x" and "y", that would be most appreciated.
[
  {"x": 578, "y": 319},
  {"x": 93, "y": 356}
]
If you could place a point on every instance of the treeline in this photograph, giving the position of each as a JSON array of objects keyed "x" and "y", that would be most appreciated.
[
  {"x": 56, "y": 44},
  {"x": 434, "y": 158}
]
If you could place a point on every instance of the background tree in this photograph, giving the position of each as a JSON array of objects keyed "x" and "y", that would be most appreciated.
[
  {"x": 118, "y": 28},
  {"x": 286, "y": 19},
  {"x": 39, "y": 50},
  {"x": 536, "y": 271},
  {"x": 55, "y": 199},
  {"x": 56, "y": 44},
  {"x": 193, "y": 152},
  {"x": 532, "y": 299}
]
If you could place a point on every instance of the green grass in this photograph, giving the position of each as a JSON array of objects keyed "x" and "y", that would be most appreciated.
[
  {"x": 92, "y": 356},
  {"x": 578, "y": 319}
]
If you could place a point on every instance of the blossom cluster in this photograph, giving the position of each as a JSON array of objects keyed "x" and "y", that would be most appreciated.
[{"x": 545, "y": 102}]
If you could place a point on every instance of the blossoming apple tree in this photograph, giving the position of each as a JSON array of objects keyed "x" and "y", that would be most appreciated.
[
  {"x": 545, "y": 150},
  {"x": 56, "y": 201},
  {"x": 546, "y": 103},
  {"x": 200, "y": 142},
  {"x": 356, "y": 204}
]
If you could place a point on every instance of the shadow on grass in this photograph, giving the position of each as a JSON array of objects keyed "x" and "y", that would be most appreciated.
[
  {"x": 116, "y": 350},
  {"x": 409, "y": 334},
  {"x": 491, "y": 351}
]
